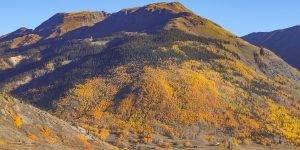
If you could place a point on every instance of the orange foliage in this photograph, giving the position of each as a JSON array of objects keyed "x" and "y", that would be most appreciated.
[
  {"x": 104, "y": 134},
  {"x": 146, "y": 140},
  {"x": 18, "y": 121},
  {"x": 178, "y": 96},
  {"x": 85, "y": 142},
  {"x": 32, "y": 136},
  {"x": 46, "y": 132},
  {"x": 51, "y": 139},
  {"x": 238, "y": 67}
]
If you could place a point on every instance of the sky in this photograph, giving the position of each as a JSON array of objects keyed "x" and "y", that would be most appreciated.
[{"x": 241, "y": 17}]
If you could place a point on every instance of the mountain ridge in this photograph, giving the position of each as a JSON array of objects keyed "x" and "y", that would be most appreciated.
[
  {"x": 176, "y": 17},
  {"x": 154, "y": 18},
  {"x": 19, "y": 32},
  {"x": 61, "y": 23},
  {"x": 283, "y": 42},
  {"x": 53, "y": 28}
]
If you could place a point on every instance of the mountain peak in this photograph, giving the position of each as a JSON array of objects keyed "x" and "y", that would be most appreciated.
[
  {"x": 152, "y": 18},
  {"x": 297, "y": 26},
  {"x": 61, "y": 23},
  {"x": 81, "y": 13},
  {"x": 23, "y": 30},
  {"x": 173, "y": 7},
  {"x": 18, "y": 33}
]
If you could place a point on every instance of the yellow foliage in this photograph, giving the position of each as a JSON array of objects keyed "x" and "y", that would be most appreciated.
[
  {"x": 94, "y": 96},
  {"x": 235, "y": 142},
  {"x": 181, "y": 95},
  {"x": 264, "y": 141},
  {"x": 176, "y": 49},
  {"x": 46, "y": 132},
  {"x": 18, "y": 121},
  {"x": 249, "y": 125},
  {"x": 125, "y": 133},
  {"x": 282, "y": 122},
  {"x": 210, "y": 138},
  {"x": 85, "y": 142},
  {"x": 104, "y": 134},
  {"x": 97, "y": 114},
  {"x": 223, "y": 144},
  {"x": 50, "y": 66},
  {"x": 86, "y": 94},
  {"x": 8, "y": 98},
  {"x": 243, "y": 70},
  {"x": 166, "y": 145},
  {"x": 246, "y": 141},
  {"x": 51, "y": 139},
  {"x": 187, "y": 144},
  {"x": 125, "y": 106},
  {"x": 3, "y": 142},
  {"x": 146, "y": 140},
  {"x": 281, "y": 79},
  {"x": 32, "y": 136}
]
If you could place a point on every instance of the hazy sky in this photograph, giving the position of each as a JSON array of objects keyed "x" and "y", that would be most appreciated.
[{"x": 239, "y": 16}]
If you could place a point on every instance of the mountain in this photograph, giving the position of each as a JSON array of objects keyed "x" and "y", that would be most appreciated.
[
  {"x": 56, "y": 26},
  {"x": 18, "y": 33},
  {"x": 24, "y": 127},
  {"x": 20, "y": 37},
  {"x": 153, "y": 18},
  {"x": 284, "y": 42},
  {"x": 62, "y": 23},
  {"x": 160, "y": 76}
]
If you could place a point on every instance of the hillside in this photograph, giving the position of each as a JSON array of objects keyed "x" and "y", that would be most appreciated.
[
  {"x": 284, "y": 42},
  {"x": 153, "y": 18},
  {"x": 161, "y": 76},
  {"x": 24, "y": 127},
  {"x": 18, "y": 38},
  {"x": 62, "y": 23},
  {"x": 55, "y": 27}
]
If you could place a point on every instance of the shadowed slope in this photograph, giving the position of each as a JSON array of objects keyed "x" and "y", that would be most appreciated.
[
  {"x": 285, "y": 43},
  {"x": 154, "y": 18}
]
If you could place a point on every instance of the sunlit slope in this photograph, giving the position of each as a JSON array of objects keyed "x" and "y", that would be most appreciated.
[
  {"x": 182, "y": 84},
  {"x": 25, "y": 127}
]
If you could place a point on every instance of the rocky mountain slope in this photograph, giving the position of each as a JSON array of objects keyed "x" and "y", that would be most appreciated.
[
  {"x": 284, "y": 42},
  {"x": 162, "y": 76},
  {"x": 24, "y": 127}
]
